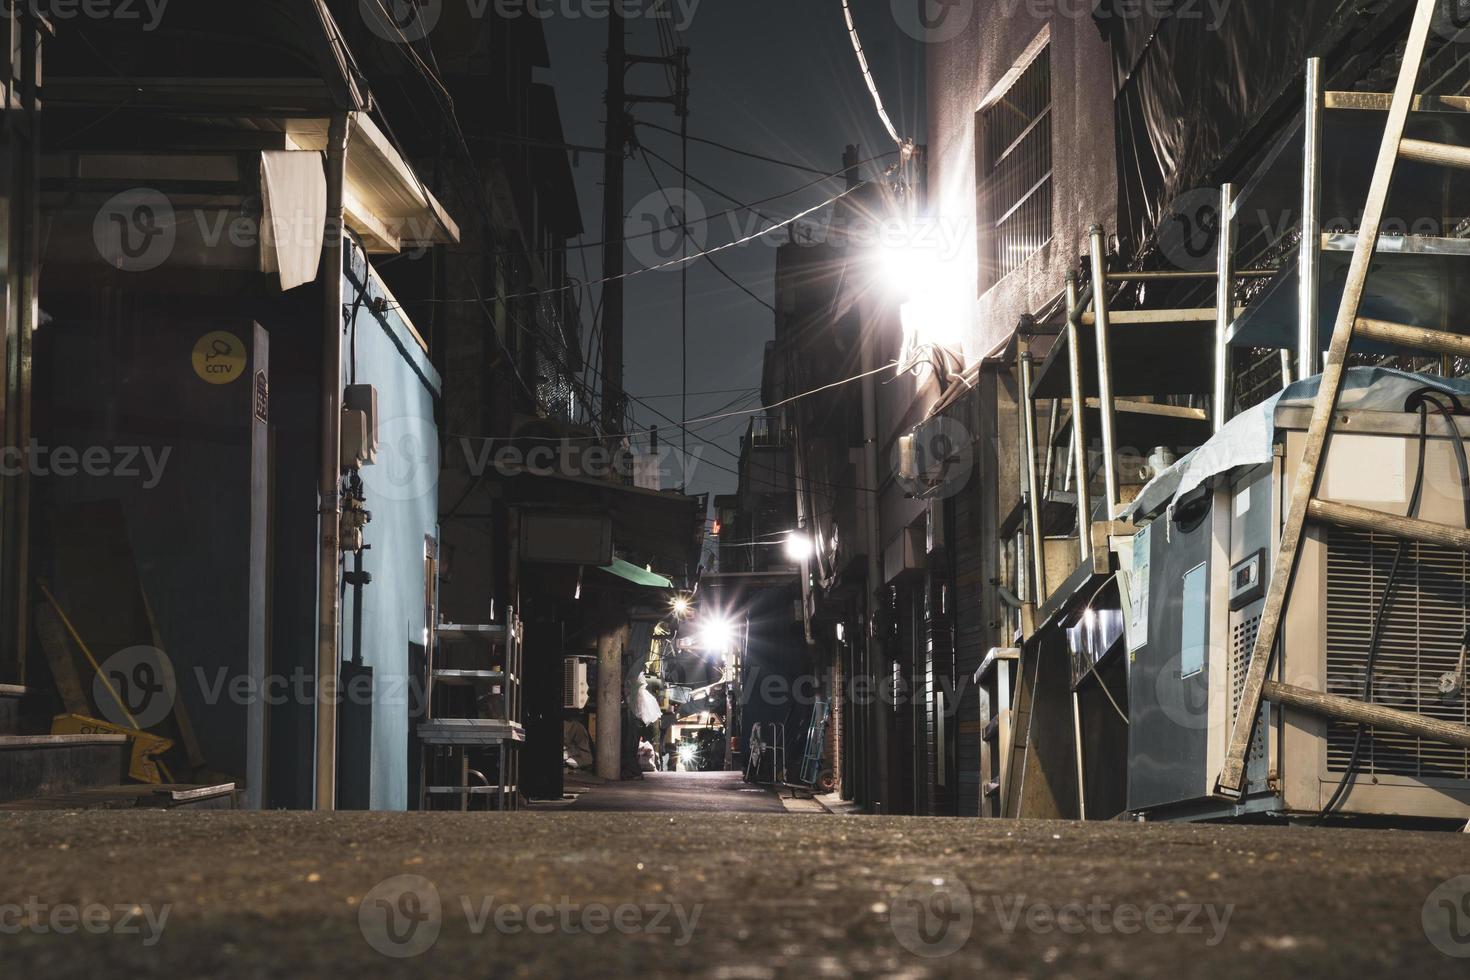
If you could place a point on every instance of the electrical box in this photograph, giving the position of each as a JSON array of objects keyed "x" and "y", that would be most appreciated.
[
  {"x": 1207, "y": 564},
  {"x": 574, "y": 683},
  {"x": 359, "y": 426}
]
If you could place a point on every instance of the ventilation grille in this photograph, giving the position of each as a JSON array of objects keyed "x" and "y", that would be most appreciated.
[
  {"x": 1421, "y": 642},
  {"x": 1242, "y": 641}
]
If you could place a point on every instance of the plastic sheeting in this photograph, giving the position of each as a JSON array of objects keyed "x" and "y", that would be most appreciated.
[
  {"x": 1247, "y": 439},
  {"x": 1193, "y": 79}
]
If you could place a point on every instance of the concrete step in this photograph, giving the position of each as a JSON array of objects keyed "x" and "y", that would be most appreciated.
[
  {"x": 146, "y": 796},
  {"x": 44, "y": 765},
  {"x": 10, "y": 695}
]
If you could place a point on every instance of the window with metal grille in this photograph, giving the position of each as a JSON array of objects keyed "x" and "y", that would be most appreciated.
[{"x": 1013, "y": 172}]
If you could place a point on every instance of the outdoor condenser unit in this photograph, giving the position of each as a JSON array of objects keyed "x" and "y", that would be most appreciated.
[
  {"x": 1201, "y": 570},
  {"x": 574, "y": 683}
]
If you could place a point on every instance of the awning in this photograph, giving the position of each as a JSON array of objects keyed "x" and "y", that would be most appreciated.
[
  {"x": 386, "y": 202},
  {"x": 636, "y": 575},
  {"x": 659, "y": 526}
]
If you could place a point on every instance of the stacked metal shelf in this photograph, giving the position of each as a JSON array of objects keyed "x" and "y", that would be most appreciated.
[{"x": 473, "y": 718}]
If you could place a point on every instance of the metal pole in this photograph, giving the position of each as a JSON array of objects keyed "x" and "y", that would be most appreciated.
[
  {"x": 1104, "y": 378},
  {"x": 1081, "y": 775},
  {"x": 1033, "y": 482},
  {"x": 1172, "y": 275},
  {"x": 1054, "y": 419},
  {"x": 613, "y": 422},
  {"x": 1309, "y": 253},
  {"x": 329, "y": 609},
  {"x": 683, "y": 110},
  {"x": 1224, "y": 309},
  {"x": 877, "y": 738},
  {"x": 1079, "y": 422}
]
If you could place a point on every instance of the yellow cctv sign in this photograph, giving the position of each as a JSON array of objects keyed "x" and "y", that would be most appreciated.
[{"x": 219, "y": 358}]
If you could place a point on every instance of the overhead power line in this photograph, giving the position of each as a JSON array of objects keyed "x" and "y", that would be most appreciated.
[
  {"x": 684, "y": 231},
  {"x": 672, "y": 263},
  {"x": 737, "y": 151},
  {"x": 857, "y": 47}
]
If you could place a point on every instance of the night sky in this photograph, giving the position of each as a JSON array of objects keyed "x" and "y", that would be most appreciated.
[{"x": 777, "y": 77}]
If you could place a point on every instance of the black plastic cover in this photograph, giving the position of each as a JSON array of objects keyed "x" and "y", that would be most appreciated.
[{"x": 1194, "y": 78}]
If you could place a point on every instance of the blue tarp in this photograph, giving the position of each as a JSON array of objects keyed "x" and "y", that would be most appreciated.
[{"x": 1247, "y": 439}]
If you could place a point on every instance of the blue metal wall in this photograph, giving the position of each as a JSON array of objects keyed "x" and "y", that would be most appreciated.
[{"x": 380, "y": 349}]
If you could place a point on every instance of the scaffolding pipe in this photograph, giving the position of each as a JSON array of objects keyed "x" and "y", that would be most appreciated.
[
  {"x": 1104, "y": 377},
  {"x": 1309, "y": 254},
  {"x": 1177, "y": 275},
  {"x": 1033, "y": 482},
  {"x": 1224, "y": 309},
  {"x": 1051, "y": 440},
  {"x": 1079, "y": 427}
]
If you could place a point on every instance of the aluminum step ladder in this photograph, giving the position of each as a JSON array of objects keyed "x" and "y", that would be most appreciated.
[{"x": 1305, "y": 505}]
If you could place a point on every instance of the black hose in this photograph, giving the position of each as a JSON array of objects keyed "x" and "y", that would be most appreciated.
[{"x": 1375, "y": 638}]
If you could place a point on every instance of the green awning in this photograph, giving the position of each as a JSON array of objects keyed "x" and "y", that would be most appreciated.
[{"x": 636, "y": 575}]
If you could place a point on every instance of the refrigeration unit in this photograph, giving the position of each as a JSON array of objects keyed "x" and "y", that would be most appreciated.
[{"x": 1200, "y": 569}]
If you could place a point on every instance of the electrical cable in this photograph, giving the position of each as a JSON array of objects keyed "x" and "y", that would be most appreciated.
[
  {"x": 586, "y": 246},
  {"x": 906, "y": 146},
  {"x": 687, "y": 237},
  {"x": 747, "y": 153},
  {"x": 673, "y": 263},
  {"x": 891, "y": 365}
]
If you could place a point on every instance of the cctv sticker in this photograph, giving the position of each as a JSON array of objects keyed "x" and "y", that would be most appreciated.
[{"x": 219, "y": 358}]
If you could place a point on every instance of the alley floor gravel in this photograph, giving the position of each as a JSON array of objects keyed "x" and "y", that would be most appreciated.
[{"x": 721, "y": 895}]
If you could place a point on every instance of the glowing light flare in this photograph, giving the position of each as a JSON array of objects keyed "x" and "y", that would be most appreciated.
[
  {"x": 799, "y": 547},
  {"x": 936, "y": 297},
  {"x": 716, "y": 635}
]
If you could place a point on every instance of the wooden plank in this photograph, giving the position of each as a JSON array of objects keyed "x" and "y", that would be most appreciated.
[
  {"x": 1409, "y": 528},
  {"x": 1417, "y": 338},
  {"x": 1383, "y": 101},
  {"x": 1366, "y": 713},
  {"x": 57, "y": 648},
  {"x": 1156, "y": 317}
]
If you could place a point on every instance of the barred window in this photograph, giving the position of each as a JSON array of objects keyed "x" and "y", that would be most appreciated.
[{"x": 1013, "y": 172}]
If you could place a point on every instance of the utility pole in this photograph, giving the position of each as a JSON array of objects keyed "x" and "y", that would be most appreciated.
[
  {"x": 613, "y": 399},
  {"x": 683, "y": 110}
]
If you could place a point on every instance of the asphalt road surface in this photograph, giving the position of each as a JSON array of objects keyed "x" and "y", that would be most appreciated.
[
  {"x": 680, "y": 792},
  {"x": 720, "y": 895}
]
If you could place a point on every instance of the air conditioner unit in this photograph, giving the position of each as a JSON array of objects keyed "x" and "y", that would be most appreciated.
[
  {"x": 1208, "y": 565},
  {"x": 574, "y": 683}
]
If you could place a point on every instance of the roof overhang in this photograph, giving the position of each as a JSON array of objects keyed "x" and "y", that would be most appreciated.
[{"x": 386, "y": 203}]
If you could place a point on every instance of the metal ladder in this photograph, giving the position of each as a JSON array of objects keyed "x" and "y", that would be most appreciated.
[{"x": 1305, "y": 504}]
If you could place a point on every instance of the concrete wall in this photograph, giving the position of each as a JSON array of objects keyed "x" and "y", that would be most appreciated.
[{"x": 962, "y": 72}]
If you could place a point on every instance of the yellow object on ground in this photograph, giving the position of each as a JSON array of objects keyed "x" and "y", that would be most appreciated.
[{"x": 144, "y": 765}]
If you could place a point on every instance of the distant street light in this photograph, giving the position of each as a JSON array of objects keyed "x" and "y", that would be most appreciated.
[
  {"x": 716, "y": 635},
  {"x": 799, "y": 547}
]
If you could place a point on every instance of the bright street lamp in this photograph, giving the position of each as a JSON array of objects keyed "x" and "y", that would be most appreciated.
[{"x": 799, "y": 547}]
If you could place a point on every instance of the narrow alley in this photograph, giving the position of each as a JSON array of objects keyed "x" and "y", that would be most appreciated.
[{"x": 643, "y": 489}]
